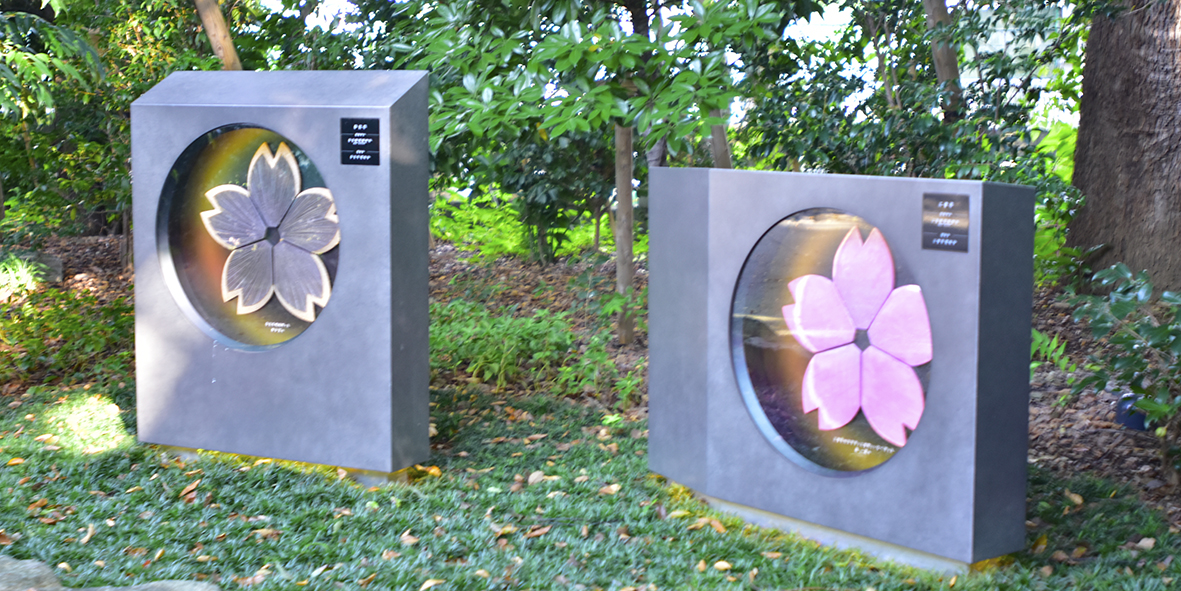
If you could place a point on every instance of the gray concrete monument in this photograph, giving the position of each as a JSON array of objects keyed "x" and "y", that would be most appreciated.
[
  {"x": 845, "y": 356},
  {"x": 281, "y": 265}
]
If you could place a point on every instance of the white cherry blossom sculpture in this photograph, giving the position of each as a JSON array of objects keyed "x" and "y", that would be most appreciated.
[{"x": 275, "y": 234}]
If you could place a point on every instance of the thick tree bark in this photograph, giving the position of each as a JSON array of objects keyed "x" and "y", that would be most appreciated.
[
  {"x": 947, "y": 67},
  {"x": 218, "y": 33},
  {"x": 1127, "y": 160},
  {"x": 624, "y": 265}
]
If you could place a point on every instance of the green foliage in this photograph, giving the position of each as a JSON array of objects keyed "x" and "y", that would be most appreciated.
[
  {"x": 1143, "y": 333},
  {"x": 53, "y": 334},
  {"x": 34, "y": 55},
  {"x": 17, "y": 275},
  {"x": 472, "y": 522},
  {"x": 68, "y": 170},
  {"x": 490, "y": 224},
  {"x": 1044, "y": 348},
  {"x": 497, "y": 347},
  {"x": 484, "y": 223}
]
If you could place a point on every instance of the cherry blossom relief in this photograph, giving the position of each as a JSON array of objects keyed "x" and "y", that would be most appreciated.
[{"x": 866, "y": 336}]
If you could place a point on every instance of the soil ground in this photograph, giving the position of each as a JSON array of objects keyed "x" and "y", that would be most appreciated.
[{"x": 1068, "y": 435}]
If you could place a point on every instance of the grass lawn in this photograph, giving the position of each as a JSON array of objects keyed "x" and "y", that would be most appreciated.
[{"x": 528, "y": 493}]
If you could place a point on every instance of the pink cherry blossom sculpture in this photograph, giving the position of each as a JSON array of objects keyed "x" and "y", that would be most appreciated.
[{"x": 842, "y": 378}]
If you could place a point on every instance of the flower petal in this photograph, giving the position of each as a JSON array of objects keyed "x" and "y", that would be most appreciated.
[
  {"x": 863, "y": 274},
  {"x": 832, "y": 383},
  {"x": 233, "y": 221},
  {"x": 311, "y": 223},
  {"x": 301, "y": 281},
  {"x": 247, "y": 276},
  {"x": 273, "y": 181},
  {"x": 891, "y": 395},
  {"x": 818, "y": 319},
  {"x": 902, "y": 327}
]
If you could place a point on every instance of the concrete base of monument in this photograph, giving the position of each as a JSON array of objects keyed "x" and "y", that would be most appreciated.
[
  {"x": 362, "y": 477},
  {"x": 840, "y": 539}
]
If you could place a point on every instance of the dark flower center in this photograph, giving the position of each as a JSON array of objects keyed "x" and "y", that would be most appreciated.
[
  {"x": 272, "y": 236},
  {"x": 862, "y": 339}
]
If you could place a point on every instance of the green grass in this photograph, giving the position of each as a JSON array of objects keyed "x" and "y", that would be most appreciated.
[{"x": 297, "y": 523}]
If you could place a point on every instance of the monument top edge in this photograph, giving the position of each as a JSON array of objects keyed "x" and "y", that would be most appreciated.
[{"x": 315, "y": 88}]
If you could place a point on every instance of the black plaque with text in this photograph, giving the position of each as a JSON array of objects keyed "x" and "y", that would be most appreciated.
[
  {"x": 945, "y": 222},
  {"x": 360, "y": 141}
]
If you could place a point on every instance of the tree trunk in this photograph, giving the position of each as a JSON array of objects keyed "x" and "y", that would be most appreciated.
[
  {"x": 947, "y": 67},
  {"x": 1, "y": 198},
  {"x": 1126, "y": 160},
  {"x": 624, "y": 266},
  {"x": 718, "y": 143},
  {"x": 218, "y": 33}
]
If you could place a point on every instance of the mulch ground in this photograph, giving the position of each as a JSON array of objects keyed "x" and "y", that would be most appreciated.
[{"x": 1068, "y": 435}]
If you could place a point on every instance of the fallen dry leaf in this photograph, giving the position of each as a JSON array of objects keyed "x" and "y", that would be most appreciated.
[
  {"x": 1146, "y": 544},
  {"x": 610, "y": 489},
  {"x": 389, "y": 555},
  {"x": 701, "y": 566},
  {"x": 772, "y": 555},
  {"x": 5, "y": 540},
  {"x": 248, "y": 581},
  {"x": 365, "y": 582},
  {"x": 65, "y": 566},
  {"x": 537, "y": 532},
  {"x": 483, "y": 573},
  {"x": 1047, "y": 570},
  {"x": 407, "y": 539},
  {"x": 502, "y": 530},
  {"x": 89, "y": 534},
  {"x": 700, "y": 523},
  {"x": 536, "y": 477},
  {"x": 1059, "y": 556},
  {"x": 190, "y": 488},
  {"x": 722, "y": 565},
  {"x": 266, "y": 533},
  {"x": 582, "y": 478},
  {"x": 951, "y": 583},
  {"x": 678, "y": 513},
  {"x": 1079, "y": 551},
  {"x": 1077, "y": 499},
  {"x": 1039, "y": 545},
  {"x": 16, "y": 461},
  {"x": 39, "y": 503},
  {"x": 717, "y": 525},
  {"x": 431, "y": 583},
  {"x": 206, "y": 558}
]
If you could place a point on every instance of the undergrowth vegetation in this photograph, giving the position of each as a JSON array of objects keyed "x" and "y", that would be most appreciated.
[
  {"x": 530, "y": 492},
  {"x": 54, "y": 335}
]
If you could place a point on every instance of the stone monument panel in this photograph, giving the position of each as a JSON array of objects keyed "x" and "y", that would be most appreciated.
[{"x": 281, "y": 265}]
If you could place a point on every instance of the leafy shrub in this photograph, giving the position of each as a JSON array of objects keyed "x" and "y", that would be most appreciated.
[
  {"x": 490, "y": 225},
  {"x": 1052, "y": 350},
  {"x": 498, "y": 347},
  {"x": 16, "y": 275},
  {"x": 1144, "y": 352},
  {"x": 73, "y": 337},
  {"x": 540, "y": 351},
  {"x": 484, "y": 223}
]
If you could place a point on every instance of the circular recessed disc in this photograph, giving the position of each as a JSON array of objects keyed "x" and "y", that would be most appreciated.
[
  {"x": 249, "y": 236},
  {"x": 831, "y": 342}
]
